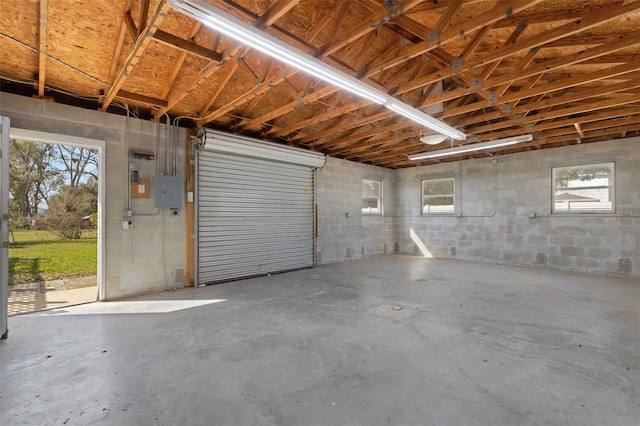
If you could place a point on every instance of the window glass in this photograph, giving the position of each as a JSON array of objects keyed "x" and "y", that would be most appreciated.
[
  {"x": 371, "y": 197},
  {"x": 438, "y": 196},
  {"x": 587, "y": 188}
]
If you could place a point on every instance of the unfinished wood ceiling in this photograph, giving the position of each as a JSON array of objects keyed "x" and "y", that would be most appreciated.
[{"x": 566, "y": 71}]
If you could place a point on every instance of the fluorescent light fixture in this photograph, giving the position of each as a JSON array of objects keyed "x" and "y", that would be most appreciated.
[
  {"x": 472, "y": 147},
  {"x": 423, "y": 119},
  {"x": 239, "y": 30}
]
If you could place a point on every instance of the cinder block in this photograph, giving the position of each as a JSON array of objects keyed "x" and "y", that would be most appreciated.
[
  {"x": 599, "y": 253},
  {"x": 564, "y": 241},
  {"x": 554, "y": 260},
  {"x": 572, "y": 251},
  {"x": 588, "y": 263},
  {"x": 570, "y": 230},
  {"x": 537, "y": 239}
]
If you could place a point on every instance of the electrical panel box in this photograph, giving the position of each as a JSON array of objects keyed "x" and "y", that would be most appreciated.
[
  {"x": 169, "y": 192},
  {"x": 140, "y": 189}
]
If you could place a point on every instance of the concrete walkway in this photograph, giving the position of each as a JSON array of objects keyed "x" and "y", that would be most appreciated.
[{"x": 41, "y": 295}]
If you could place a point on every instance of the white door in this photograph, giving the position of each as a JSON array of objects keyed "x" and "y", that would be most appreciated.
[{"x": 4, "y": 226}]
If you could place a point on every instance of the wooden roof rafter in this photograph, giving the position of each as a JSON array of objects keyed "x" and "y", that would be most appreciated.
[
  {"x": 382, "y": 114},
  {"x": 324, "y": 51},
  {"x": 549, "y": 87},
  {"x": 563, "y": 70},
  {"x": 551, "y": 123},
  {"x": 588, "y": 20},
  {"x": 560, "y": 100},
  {"x": 180, "y": 61},
  {"x": 503, "y": 82},
  {"x": 551, "y": 15},
  {"x": 500, "y": 11},
  {"x": 229, "y": 58},
  {"x": 487, "y": 18},
  {"x": 252, "y": 103},
  {"x": 120, "y": 43},
  {"x": 42, "y": 57},
  {"x": 140, "y": 45}
]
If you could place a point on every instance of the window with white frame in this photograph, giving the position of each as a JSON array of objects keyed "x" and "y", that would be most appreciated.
[
  {"x": 583, "y": 189},
  {"x": 371, "y": 197},
  {"x": 438, "y": 196}
]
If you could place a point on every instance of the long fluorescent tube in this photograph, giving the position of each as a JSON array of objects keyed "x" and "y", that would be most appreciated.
[
  {"x": 423, "y": 119},
  {"x": 472, "y": 147},
  {"x": 236, "y": 29}
]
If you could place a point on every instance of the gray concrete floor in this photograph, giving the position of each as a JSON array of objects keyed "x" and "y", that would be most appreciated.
[{"x": 474, "y": 344}]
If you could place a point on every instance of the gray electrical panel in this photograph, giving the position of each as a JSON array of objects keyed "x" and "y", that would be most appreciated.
[{"x": 169, "y": 192}]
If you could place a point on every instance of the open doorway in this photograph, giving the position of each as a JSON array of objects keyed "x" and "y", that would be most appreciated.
[{"x": 57, "y": 226}]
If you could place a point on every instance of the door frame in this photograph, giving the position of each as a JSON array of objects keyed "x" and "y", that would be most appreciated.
[
  {"x": 4, "y": 227},
  {"x": 100, "y": 146}
]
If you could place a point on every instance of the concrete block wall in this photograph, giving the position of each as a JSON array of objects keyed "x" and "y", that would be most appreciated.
[
  {"x": 493, "y": 202},
  {"x": 344, "y": 233},
  {"x": 151, "y": 255}
]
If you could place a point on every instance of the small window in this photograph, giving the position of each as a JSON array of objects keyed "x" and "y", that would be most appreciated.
[
  {"x": 580, "y": 189},
  {"x": 438, "y": 196},
  {"x": 371, "y": 197}
]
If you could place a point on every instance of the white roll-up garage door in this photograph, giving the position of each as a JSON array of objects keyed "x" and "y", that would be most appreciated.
[{"x": 255, "y": 212}]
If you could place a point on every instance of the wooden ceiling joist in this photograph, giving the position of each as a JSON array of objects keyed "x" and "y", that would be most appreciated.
[
  {"x": 141, "y": 98},
  {"x": 232, "y": 54},
  {"x": 122, "y": 32},
  {"x": 500, "y": 11},
  {"x": 179, "y": 62},
  {"x": 187, "y": 46},
  {"x": 560, "y": 100},
  {"x": 144, "y": 12},
  {"x": 42, "y": 57},
  {"x": 550, "y": 87},
  {"x": 380, "y": 18},
  {"x": 587, "y": 21},
  {"x": 563, "y": 70},
  {"x": 140, "y": 45},
  {"x": 328, "y": 49}
]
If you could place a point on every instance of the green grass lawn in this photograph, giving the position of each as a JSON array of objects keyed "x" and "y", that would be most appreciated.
[{"x": 41, "y": 255}]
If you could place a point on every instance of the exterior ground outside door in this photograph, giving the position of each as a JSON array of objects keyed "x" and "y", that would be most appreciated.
[
  {"x": 255, "y": 212},
  {"x": 4, "y": 227}
]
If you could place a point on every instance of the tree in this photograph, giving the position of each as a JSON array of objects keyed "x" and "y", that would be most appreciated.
[
  {"x": 68, "y": 207},
  {"x": 32, "y": 178},
  {"x": 15, "y": 221},
  {"x": 580, "y": 173},
  {"x": 77, "y": 163},
  {"x": 64, "y": 178}
]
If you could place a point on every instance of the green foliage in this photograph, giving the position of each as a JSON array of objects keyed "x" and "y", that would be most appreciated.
[
  {"x": 580, "y": 173},
  {"x": 39, "y": 255},
  {"x": 437, "y": 187},
  {"x": 32, "y": 177},
  {"x": 68, "y": 207},
  {"x": 73, "y": 199},
  {"x": 93, "y": 218},
  {"x": 67, "y": 226},
  {"x": 439, "y": 201}
]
